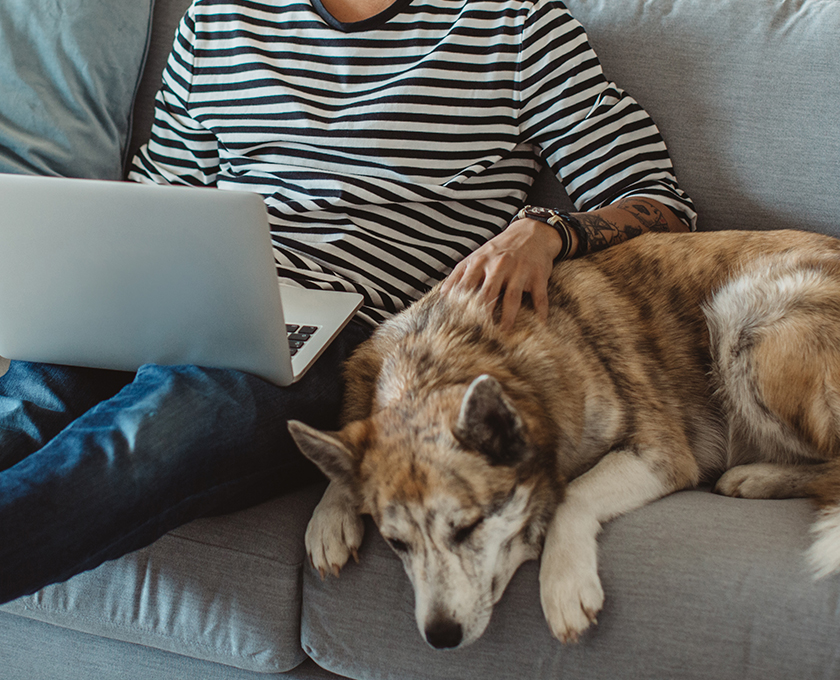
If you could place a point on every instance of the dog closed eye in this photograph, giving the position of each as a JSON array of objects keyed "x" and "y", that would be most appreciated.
[
  {"x": 398, "y": 545},
  {"x": 465, "y": 532}
]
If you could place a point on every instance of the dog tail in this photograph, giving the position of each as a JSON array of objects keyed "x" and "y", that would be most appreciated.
[{"x": 824, "y": 553}]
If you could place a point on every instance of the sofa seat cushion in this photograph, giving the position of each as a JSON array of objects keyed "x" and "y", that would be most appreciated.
[
  {"x": 223, "y": 589},
  {"x": 697, "y": 586},
  {"x": 70, "y": 69}
]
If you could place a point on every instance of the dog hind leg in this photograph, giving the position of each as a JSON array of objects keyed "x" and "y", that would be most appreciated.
[
  {"x": 798, "y": 369},
  {"x": 780, "y": 374},
  {"x": 820, "y": 481},
  {"x": 775, "y": 334},
  {"x": 770, "y": 480}
]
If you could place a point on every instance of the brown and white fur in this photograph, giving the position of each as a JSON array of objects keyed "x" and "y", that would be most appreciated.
[{"x": 666, "y": 361}]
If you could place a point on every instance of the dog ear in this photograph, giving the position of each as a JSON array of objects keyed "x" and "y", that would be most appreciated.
[
  {"x": 324, "y": 449},
  {"x": 489, "y": 423}
]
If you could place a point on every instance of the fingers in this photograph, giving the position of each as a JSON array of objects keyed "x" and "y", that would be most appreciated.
[
  {"x": 469, "y": 275},
  {"x": 516, "y": 262},
  {"x": 510, "y": 308},
  {"x": 486, "y": 275},
  {"x": 454, "y": 278},
  {"x": 512, "y": 300},
  {"x": 539, "y": 297},
  {"x": 491, "y": 280}
]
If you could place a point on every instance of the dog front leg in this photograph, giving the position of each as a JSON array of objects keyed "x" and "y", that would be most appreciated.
[
  {"x": 570, "y": 590},
  {"x": 334, "y": 532}
]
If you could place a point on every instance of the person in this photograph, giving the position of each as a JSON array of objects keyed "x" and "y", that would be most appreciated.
[{"x": 394, "y": 142}]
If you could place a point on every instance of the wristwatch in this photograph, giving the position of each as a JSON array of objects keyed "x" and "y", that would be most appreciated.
[{"x": 563, "y": 223}]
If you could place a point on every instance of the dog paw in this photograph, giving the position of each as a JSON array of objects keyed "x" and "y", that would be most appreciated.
[
  {"x": 334, "y": 534},
  {"x": 759, "y": 480},
  {"x": 571, "y": 600}
]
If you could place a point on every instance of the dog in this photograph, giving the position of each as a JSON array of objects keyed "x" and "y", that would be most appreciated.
[{"x": 665, "y": 362}]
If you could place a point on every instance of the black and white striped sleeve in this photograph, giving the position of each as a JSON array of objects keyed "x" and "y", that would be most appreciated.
[
  {"x": 596, "y": 138},
  {"x": 180, "y": 149}
]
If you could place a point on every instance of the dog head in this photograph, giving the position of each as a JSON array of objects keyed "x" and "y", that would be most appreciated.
[{"x": 451, "y": 480}]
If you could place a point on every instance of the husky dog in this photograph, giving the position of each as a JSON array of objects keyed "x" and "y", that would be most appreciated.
[{"x": 666, "y": 361}]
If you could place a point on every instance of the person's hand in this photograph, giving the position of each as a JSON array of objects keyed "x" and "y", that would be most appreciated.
[
  {"x": 517, "y": 261},
  {"x": 520, "y": 259}
]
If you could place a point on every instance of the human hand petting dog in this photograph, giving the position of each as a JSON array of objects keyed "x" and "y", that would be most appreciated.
[
  {"x": 520, "y": 259},
  {"x": 517, "y": 261}
]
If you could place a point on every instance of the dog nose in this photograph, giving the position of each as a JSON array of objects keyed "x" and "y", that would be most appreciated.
[{"x": 444, "y": 634}]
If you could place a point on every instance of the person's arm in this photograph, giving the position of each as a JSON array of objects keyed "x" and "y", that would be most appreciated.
[
  {"x": 181, "y": 150},
  {"x": 520, "y": 259},
  {"x": 623, "y": 220},
  {"x": 599, "y": 143}
]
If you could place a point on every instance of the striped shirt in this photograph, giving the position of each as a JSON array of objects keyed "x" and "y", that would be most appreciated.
[{"x": 389, "y": 149}]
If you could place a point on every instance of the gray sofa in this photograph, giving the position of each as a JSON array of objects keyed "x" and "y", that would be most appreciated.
[{"x": 747, "y": 94}]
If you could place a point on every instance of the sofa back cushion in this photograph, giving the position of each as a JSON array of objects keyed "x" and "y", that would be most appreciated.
[
  {"x": 70, "y": 72},
  {"x": 746, "y": 95}
]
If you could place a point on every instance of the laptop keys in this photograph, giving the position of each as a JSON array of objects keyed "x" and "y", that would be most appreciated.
[{"x": 298, "y": 335}]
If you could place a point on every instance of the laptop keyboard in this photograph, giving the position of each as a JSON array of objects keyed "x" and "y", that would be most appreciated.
[{"x": 298, "y": 336}]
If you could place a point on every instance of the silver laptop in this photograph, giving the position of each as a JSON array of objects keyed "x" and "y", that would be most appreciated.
[{"x": 116, "y": 275}]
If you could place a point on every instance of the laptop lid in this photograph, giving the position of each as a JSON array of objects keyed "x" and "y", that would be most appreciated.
[{"x": 116, "y": 274}]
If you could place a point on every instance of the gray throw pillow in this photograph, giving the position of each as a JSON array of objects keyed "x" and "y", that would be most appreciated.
[{"x": 69, "y": 71}]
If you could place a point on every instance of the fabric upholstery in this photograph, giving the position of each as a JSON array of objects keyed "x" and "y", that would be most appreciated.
[
  {"x": 224, "y": 589},
  {"x": 697, "y": 586},
  {"x": 32, "y": 650},
  {"x": 745, "y": 94},
  {"x": 70, "y": 72}
]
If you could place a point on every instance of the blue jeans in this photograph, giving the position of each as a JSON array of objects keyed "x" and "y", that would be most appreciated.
[{"x": 95, "y": 464}]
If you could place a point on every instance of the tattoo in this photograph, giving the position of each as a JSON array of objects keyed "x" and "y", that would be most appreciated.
[
  {"x": 646, "y": 212},
  {"x": 642, "y": 215},
  {"x": 601, "y": 233}
]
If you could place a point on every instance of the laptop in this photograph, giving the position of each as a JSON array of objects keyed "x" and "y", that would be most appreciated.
[{"x": 117, "y": 274}]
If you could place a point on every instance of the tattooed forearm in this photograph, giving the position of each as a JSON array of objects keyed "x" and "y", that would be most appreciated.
[
  {"x": 602, "y": 232},
  {"x": 624, "y": 220},
  {"x": 646, "y": 212}
]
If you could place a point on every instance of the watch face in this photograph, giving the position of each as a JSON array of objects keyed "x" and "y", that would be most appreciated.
[{"x": 538, "y": 213}]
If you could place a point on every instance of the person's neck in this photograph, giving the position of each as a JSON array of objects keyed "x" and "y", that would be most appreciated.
[{"x": 351, "y": 11}]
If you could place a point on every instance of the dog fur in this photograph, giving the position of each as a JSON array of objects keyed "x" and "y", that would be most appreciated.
[{"x": 665, "y": 362}]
